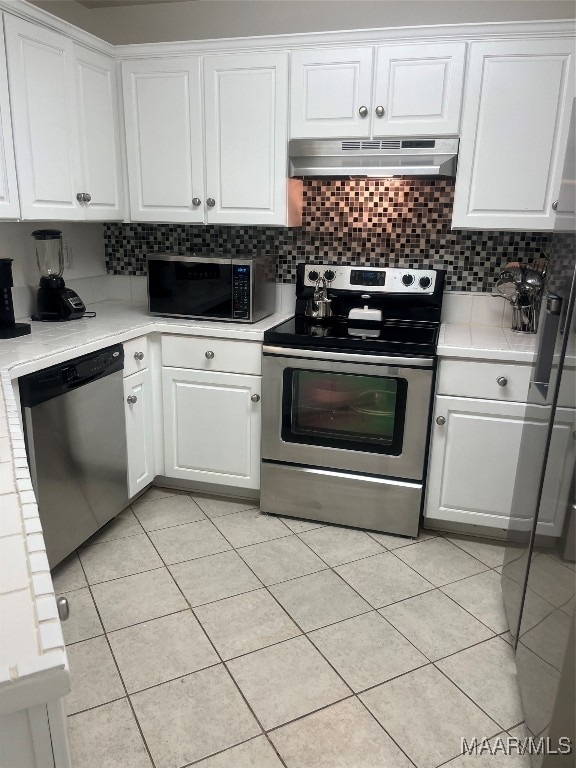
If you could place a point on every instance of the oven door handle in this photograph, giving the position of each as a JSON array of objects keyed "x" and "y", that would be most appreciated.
[{"x": 349, "y": 357}]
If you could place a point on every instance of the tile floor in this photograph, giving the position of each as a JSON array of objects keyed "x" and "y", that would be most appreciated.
[{"x": 203, "y": 632}]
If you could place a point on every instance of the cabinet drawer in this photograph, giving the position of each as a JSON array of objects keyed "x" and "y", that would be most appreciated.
[
  {"x": 209, "y": 354},
  {"x": 133, "y": 349},
  {"x": 468, "y": 378}
]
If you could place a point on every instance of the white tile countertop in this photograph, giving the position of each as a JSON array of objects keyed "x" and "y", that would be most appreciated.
[{"x": 485, "y": 342}]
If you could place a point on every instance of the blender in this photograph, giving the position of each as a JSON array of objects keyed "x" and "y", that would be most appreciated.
[{"x": 54, "y": 301}]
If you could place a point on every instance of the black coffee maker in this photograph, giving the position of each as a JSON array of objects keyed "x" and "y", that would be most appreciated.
[
  {"x": 54, "y": 301},
  {"x": 8, "y": 327}
]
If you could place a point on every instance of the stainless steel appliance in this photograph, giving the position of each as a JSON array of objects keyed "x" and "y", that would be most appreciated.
[
  {"x": 54, "y": 301},
  {"x": 74, "y": 424},
  {"x": 539, "y": 574},
  {"x": 235, "y": 288},
  {"x": 9, "y": 328},
  {"x": 346, "y": 402}
]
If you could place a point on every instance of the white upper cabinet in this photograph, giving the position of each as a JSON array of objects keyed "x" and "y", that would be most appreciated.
[
  {"x": 9, "y": 205},
  {"x": 416, "y": 90},
  {"x": 162, "y": 112},
  {"x": 331, "y": 93},
  {"x": 514, "y": 134},
  {"x": 65, "y": 139},
  {"x": 246, "y": 115}
]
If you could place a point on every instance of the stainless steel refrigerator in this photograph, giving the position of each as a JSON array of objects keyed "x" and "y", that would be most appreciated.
[{"x": 539, "y": 573}]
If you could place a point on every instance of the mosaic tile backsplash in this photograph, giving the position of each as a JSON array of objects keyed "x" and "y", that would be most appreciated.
[{"x": 388, "y": 222}]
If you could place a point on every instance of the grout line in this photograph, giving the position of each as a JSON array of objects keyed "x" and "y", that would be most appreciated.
[{"x": 373, "y": 716}]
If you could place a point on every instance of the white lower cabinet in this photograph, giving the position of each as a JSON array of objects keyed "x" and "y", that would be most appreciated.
[
  {"x": 212, "y": 427},
  {"x": 139, "y": 430}
]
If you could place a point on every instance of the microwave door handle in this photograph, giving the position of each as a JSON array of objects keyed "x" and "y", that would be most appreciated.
[{"x": 547, "y": 346}]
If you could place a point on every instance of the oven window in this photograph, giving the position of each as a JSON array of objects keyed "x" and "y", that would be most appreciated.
[
  {"x": 363, "y": 413},
  {"x": 180, "y": 288}
]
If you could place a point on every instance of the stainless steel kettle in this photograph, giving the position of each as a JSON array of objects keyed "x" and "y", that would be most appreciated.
[{"x": 318, "y": 307}]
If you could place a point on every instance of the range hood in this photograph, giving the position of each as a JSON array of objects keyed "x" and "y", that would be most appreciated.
[{"x": 373, "y": 158}]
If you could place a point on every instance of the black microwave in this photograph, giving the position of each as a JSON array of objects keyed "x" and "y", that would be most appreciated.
[{"x": 235, "y": 288}]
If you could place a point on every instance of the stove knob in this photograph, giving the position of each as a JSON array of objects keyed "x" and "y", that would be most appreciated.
[
  {"x": 329, "y": 275},
  {"x": 313, "y": 276},
  {"x": 425, "y": 282},
  {"x": 407, "y": 279}
]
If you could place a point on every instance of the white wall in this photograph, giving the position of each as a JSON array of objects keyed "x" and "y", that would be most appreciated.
[{"x": 205, "y": 19}]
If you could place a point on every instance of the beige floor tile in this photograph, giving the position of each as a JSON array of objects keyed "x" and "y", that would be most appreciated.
[
  {"x": 337, "y": 545},
  {"x": 383, "y": 579},
  {"x": 542, "y": 680},
  {"x": 166, "y": 511},
  {"x": 156, "y": 492},
  {"x": 435, "y": 624},
  {"x": 497, "y": 759},
  {"x": 161, "y": 650},
  {"x": 487, "y": 673},
  {"x": 138, "y": 598},
  {"x": 319, "y": 599},
  {"x": 214, "y": 506},
  {"x": 427, "y": 716},
  {"x": 481, "y": 595},
  {"x": 125, "y": 524},
  {"x": 297, "y": 525},
  {"x": 83, "y": 622},
  {"x": 440, "y": 561},
  {"x": 390, "y": 541},
  {"x": 214, "y": 578},
  {"x": 549, "y": 638},
  {"x": 245, "y": 623},
  {"x": 256, "y": 753},
  {"x": 122, "y": 557},
  {"x": 94, "y": 677},
  {"x": 281, "y": 559},
  {"x": 488, "y": 551},
  {"x": 107, "y": 736},
  {"x": 187, "y": 542},
  {"x": 68, "y": 575},
  {"x": 193, "y": 717},
  {"x": 344, "y": 735},
  {"x": 367, "y": 650},
  {"x": 552, "y": 580},
  {"x": 287, "y": 681},
  {"x": 250, "y": 527}
]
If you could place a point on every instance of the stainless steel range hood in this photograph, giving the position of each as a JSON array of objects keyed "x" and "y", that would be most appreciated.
[{"x": 373, "y": 158}]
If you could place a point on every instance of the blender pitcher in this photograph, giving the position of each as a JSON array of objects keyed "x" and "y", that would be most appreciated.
[{"x": 54, "y": 301}]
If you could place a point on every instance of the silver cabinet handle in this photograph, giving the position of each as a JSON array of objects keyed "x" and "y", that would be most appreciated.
[
  {"x": 138, "y": 355},
  {"x": 555, "y": 205},
  {"x": 210, "y": 202},
  {"x": 80, "y": 197},
  {"x": 502, "y": 381},
  {"x": 131, "y": 399},
  {"x": 363, "y": 111},
  {"x": 63, "y": 608},
  {"x": 440, "y": 420},
  {"x": 209, "y": 355},
  {"x": 379, "y": 111},
  {"x": 196, "y": 201},
  {"x": 255, "y": 398}
]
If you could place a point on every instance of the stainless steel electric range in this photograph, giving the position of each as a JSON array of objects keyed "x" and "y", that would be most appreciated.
[{"x": 347, "y": 394}]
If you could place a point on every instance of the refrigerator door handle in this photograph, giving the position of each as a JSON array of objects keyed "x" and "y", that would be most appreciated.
[{"x": 547, "y": 346}]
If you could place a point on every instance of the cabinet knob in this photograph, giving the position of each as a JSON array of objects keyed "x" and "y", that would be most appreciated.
[
  {"x": 196, "y": 201},
  {"x": 131, "y": 399},
  {"x": 210, "y": 202},
  {"x": 440, "y": 420},
  {"x": 379, "y": 111},
  {"x": 502, "y": 381},
  {"x": 555, "y": 205},
  {"x": 138, "y": 355},
  {"x": 63, "y": 608},
  {"x": 363, "y": 111},
  {"x": 81, "y": 197},
  {"x": 255, "y": 398},
  {"x": 87, "y": 197},
  {"x": 209, "y": 355}
]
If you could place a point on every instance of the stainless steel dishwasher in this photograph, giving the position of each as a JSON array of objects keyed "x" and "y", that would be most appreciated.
[{"x": 74, "y": 424}]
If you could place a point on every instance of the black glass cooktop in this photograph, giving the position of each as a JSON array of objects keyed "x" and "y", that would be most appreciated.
[{"x": 391, "y": 337}]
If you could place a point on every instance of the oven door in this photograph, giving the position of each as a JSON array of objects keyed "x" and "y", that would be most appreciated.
[{"x": 338, "y": 410}]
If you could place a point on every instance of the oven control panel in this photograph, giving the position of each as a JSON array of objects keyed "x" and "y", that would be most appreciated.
[{"x": 372, "y": 279}]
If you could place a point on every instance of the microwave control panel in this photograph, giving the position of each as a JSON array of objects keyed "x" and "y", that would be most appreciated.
[{"x": 241, "y": 291}]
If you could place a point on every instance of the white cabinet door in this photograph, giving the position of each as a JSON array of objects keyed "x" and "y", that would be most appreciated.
[
  {"x": 212, "y": 427},
  {"x": 328, "y": 90},
  {"x": 9, "y": 204},
  {"x": 418, "y": 89},
  {"x": 139, "y": 430},
  {"x": 41, "y": 82},
  {"x": 96, "y": 104},
  {"x": 246, "y": 112},
  {"x": 162, "y": 112},
  {"x": 516, "y": 116}
]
